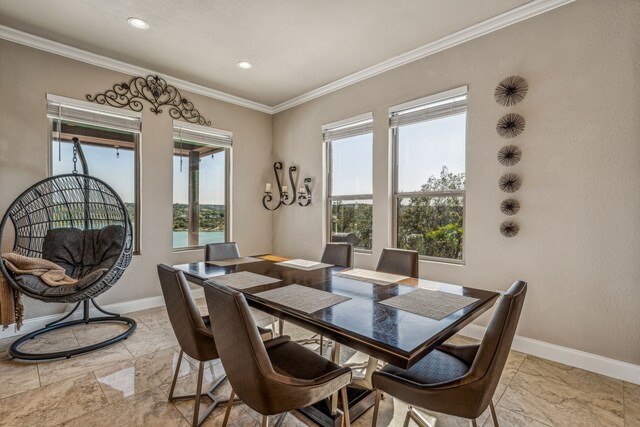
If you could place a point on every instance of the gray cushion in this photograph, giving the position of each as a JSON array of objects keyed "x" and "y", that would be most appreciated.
[
  {"x": 36, "y": 286},
  {"x": 436, "y": 367}
]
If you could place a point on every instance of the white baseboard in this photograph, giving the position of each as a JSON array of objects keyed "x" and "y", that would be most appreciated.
[
  {"x": 568, "y": 356},
  {"x": 576, "y": 358}
]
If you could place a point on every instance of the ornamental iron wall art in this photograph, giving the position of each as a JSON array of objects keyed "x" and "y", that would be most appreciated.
[
  {"x": 510, "y": 207},
  {"x": 509, "y": 228},
  {"x": 156, "y": 91},
  {"x": 303, "y": 195},
  {"x": 511, "y": 90},
  {"x": 509, "y": 182},
  {"x": 510, "y": 125},
  {"x": 509, "y": 155}
]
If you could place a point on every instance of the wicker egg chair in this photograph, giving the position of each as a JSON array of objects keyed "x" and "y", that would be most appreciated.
[{"x": 63, "y": 212}]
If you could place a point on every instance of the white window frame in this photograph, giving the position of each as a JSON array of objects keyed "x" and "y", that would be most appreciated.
[
  {"x": 353, "y": 126},
  {"x": 393, "y": 127},
  {"x": 213, "y": 137}
]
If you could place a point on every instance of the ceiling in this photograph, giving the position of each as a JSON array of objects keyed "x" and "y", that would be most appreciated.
[{"x": 295, "y": 45}]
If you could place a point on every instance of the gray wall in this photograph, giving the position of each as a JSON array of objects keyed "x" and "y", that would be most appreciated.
[
  {"x": 27, "y": 75},
  {"x": 579, "y": 241}
]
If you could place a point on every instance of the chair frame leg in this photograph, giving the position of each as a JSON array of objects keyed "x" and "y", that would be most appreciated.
[
  {"x": 196, "y": 407},
  {"x": 345, "y": 407},
  {"x": 265, "y": 421},
  {"x": 414, "y": 415},
  {"x": 473, "y": 423},
  {"x": 376, "y": 407},
  {"x": 494, "y": 416},
  {"x": 227, "y": 412}
]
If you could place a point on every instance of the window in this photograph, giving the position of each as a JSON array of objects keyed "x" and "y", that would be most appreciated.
[
  {"x": 429, "y": 138},
  {"x": 201, "y": 159},
  {"x": 350, "y": 180},
  {"x": 110, "y": 141}
]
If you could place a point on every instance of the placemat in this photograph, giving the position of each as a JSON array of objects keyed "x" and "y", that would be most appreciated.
[
  {"x": 375, "y": 277},
  {"x": 243, "y": 280},
  {"x": 432, "y": 304},
  {"x": 302, "y": 298},
  {"x": 234, "y": 261},
  {"x": 304, "y": 264}
]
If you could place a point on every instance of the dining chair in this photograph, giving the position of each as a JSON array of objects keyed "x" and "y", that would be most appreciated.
[
  {"x": 457, "y": 380},
  {"x": 398, "y": 261},
  {"x": 271, "y": 377},
  {"x": 194, "y": 335},
  {"x": 221, "y": 251},
  {"x": 340, "y": 254}
]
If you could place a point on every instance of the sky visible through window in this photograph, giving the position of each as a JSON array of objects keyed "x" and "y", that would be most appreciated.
[{"x": 212, "y": 175}]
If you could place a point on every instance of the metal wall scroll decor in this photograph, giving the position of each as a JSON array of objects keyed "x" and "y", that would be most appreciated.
[
  {"x": 154, "y": 90},
  {"x": 302, "y": 196}
]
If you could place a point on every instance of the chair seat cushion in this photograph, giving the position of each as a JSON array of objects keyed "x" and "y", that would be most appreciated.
[
  {"x": 293, "y": 360},
  {"x": 36, "y": 286},
  {"x": 436, "y": 367}
]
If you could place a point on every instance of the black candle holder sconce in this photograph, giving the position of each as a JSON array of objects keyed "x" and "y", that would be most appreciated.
[{"x": 302, "y": 196}]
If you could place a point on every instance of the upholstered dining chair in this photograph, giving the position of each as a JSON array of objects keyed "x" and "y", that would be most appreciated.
[
  {"x": 221, "y": 251},
  {"x": 340, "y": 254},
  {"x": 271, "y": 377},
  {"x": 457, "y": 380},
  {"x": 398, "y": 261},
  {"x": 194, "y": 335}
]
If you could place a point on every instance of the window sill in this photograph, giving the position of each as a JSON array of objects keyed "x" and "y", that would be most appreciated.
[
  {"x": 454, "y": 262},
  {"x": 188, "y": 249}
]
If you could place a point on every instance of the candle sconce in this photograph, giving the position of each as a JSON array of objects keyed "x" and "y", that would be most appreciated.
[{"x": 303, "y": 196}]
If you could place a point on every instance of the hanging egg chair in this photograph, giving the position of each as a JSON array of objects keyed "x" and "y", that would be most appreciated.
[{"x": 80, "y": 223}]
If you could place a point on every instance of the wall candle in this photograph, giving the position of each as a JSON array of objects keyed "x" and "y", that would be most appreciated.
[
  {"x": 301, "y": 189},
  {"x": 267, "y": 188},
  {"x": 284, "y": 188}
]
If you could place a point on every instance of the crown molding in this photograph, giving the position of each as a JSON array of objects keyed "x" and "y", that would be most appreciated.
[
  {"x": 513, "y": 16},
  {"x": 20, "y": 37},
  {"x": 529, "y": 10}
]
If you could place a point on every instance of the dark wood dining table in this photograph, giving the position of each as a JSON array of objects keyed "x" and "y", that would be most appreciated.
[{"x": 392, "y": 335}]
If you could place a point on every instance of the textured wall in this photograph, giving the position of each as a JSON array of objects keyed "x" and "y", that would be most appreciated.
[
  {"x": 27, "y": 75},
  {"x": 579, "y": 240}
]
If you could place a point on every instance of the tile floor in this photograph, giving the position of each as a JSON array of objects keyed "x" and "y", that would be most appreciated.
[{"x": 127, "y": 385}]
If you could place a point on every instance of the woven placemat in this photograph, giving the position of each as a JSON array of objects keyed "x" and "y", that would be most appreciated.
[
  {"x": 234, "y": 261},
  {"x": 432, "y": 304},
  {"x": 303, "y": 264},
  {"x": 375, "y": 277},
  {"x": 243, "y": 280},
  {"x": 302, "y": 298}
]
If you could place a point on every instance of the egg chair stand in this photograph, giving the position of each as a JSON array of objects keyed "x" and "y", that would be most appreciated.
[{"x": 80, "y": 223}]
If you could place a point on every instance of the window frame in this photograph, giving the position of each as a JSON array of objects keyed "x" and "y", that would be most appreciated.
[
  {"x": 228, "y": 151},
  {"x": 102, "y": 109},
  {"x": 329, "y": 166},
  {"x": 398, "y": 196}
]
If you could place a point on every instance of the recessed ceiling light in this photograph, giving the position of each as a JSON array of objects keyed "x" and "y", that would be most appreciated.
[
  {"x": 245, "y": 65},
  {"x": 138, "y": 23}
]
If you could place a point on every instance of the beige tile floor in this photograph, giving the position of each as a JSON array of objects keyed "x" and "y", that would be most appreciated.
[{"x": 127, "y": 385}]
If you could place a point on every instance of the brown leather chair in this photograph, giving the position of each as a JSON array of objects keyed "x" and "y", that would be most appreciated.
[
  {"x": 273, "y": 377},
  {"x": 340, "y": 254},
  {"x": 398, "y": 261},
  {"x": 457, "y": 380},
  {"x": 194, "y": 335},
  {"x": 221, "y": 251}
]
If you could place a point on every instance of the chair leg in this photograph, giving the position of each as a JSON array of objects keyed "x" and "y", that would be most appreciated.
[
  {"x": 196, "y": 407},
  {"x": 345, "y": 407},
  {"x": 265, "y": 421},
  {"x": 407, "y": 418},
  {"x": 228, "y": 411},
  {"x": 376, "y": 407},
  {"x": 175, "y": 375},
  {"x": 280, "y": 327},
  {"x": 335, "y": 358},
  {"x": 494, "y": 417},
  {"x": 321, "y": 344},
  {"x": 472, "y": 423}
]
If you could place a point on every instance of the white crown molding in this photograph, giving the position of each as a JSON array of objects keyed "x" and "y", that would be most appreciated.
[
  {"x": 529, "y": 10},
  {"x": 20, "y": 37}
]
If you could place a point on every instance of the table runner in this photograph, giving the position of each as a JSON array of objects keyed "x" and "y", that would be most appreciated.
[
  {"x": 375, "y": 277},
  {"x": 243, "y": 280},
  {"x": 303, "y": 264},
  {"x": 302, "y": 298},
  {"x": 234, "y": 261},
  {"x": 432, "y": 304}
]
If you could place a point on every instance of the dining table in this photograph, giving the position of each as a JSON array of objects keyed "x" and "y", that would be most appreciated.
[{"x": 374, "y": 317}]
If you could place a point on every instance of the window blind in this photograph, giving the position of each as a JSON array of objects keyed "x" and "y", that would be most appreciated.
[
  {"x": 444, "y": 107},
  {"x": 183, "y": 131},
  {"x": 72, "y": 110},
  {"x": 351, "y": 127}
]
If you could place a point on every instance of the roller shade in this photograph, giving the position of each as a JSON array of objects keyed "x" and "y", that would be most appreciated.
[
  {"x": 66, "y": 109},
  {"x": 445, "y": 104},
  {"x": 183, "y": 131},
  {"x": 347, "y": 128}
]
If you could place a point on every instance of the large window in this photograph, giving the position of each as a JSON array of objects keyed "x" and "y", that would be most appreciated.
[
  {"x": 201, "y": 158},
  {"x": 350, "y": 180},
  {"x": 429, "y": 138},
  {"x": 110, "y": 142}
]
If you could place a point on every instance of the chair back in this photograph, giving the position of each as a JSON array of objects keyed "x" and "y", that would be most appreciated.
[
  {"x": 398, "y": 261},
  {"x": 193, "y": 335},
  {"x": 221, "y": 251},
  {"x": 340, "y": 254}
]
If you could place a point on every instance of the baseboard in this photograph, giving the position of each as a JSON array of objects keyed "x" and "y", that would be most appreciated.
[
  {"x": 36, "y": 323},
  {"x": 568, "y": 356}
]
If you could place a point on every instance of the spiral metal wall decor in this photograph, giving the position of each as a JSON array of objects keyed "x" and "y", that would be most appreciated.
[
  {"x": 154, "y": 90},
  {"x": 509, "y": 228},
  {"x": 510, "y": 125},
  {"x": 510, "y": 207},
  {"x": 511, "y": 90},
  {"x": 509, "y": 182},
  {"x": 509, "y": 155}
]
